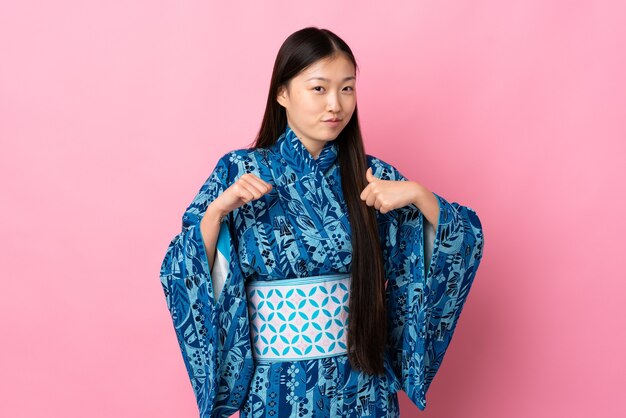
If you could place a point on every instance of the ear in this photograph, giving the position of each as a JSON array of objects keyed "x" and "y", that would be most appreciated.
[{"x": 281, "y": 97}]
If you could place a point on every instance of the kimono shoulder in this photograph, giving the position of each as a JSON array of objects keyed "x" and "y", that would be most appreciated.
[{"x": 383, "y": 170}]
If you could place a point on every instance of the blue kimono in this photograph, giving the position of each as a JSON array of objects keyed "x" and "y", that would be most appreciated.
[{"x": 300, "y": 229}]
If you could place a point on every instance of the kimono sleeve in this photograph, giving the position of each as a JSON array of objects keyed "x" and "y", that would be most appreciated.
[
  {"x": 209, "y": 307},
  {"x": 426, "y": 292}
]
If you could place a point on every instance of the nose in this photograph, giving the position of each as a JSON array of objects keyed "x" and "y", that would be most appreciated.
[{"x": 333, "y": 105}]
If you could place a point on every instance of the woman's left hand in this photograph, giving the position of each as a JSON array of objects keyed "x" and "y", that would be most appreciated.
[{"x": 386, "y": 195}]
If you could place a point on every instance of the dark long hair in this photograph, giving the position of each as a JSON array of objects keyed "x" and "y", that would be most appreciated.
[{"x": 367, "y": 324}]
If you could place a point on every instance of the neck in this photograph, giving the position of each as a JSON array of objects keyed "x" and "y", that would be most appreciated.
[{"x": 314, "y": 147}]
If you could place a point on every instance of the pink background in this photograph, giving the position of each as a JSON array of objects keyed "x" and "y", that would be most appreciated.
[{"x": 112, "y": 115}]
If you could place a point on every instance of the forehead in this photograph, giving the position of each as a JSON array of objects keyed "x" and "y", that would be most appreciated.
[{"x": 337, "y": 69}]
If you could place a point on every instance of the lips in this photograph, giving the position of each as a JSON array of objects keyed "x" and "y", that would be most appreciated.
[{"x": 332, "y": 120}]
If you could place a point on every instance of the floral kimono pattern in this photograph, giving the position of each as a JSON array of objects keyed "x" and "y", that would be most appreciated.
[{"x": 300, "y": 229}]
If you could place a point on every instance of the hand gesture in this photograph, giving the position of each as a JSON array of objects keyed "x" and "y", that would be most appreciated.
[
  {"x": 246, "y": 188},
  {"x": 386, "y": 195}
]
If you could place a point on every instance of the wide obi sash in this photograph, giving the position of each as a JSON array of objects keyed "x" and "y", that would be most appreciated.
[{"x": 299, "y": 319}]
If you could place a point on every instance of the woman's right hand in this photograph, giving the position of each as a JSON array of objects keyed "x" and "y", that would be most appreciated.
[{"x": 246, "y": 188}]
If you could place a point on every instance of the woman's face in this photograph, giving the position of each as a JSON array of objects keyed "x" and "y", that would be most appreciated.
[{"x": 324, "y": 90}]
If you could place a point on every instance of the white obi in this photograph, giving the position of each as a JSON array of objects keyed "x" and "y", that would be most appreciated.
[{"x": 299, "y": 319}]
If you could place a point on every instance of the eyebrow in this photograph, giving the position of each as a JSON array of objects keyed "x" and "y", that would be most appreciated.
[{"x": 325, "y": 79}]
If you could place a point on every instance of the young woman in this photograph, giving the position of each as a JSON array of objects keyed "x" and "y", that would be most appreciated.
[{"x": 311, "y": 279}]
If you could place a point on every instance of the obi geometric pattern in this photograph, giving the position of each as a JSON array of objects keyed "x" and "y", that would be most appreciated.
[{"x": 298, "y": 319}]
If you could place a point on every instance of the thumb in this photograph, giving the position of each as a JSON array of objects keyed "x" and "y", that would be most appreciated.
[{"x": 369, "y": 176}]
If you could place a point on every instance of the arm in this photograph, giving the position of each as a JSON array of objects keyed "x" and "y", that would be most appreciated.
[
  {"x": 427, "y": 203},
  {"x": 210, "y": 322},
  {"x": 210, "y": 228}
]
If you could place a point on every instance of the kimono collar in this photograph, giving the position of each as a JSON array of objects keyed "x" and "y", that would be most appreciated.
[{"x": 294, "y": 151}]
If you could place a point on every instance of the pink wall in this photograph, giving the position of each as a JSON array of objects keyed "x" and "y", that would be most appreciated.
[{"x": 112, "y": 116}]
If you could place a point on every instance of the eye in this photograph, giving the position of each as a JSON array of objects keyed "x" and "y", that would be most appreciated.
[{"x": 320, "y": 87}]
